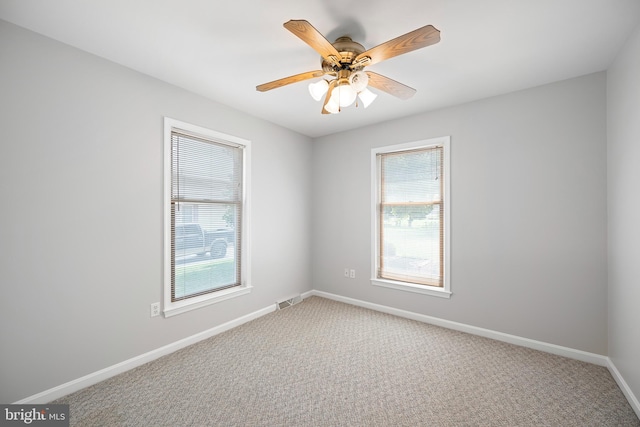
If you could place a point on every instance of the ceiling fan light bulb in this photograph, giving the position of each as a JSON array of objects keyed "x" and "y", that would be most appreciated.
[
  {"x": 359, "y": 81},
  {"x": 332, "y": 106},
  {"x": 343, "y": 95},
  {"x": 367, "y": 97},
  {"x": 318, "y": 89}
]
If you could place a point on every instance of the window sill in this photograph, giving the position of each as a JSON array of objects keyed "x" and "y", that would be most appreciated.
[
  {"x": 408, "y": 287},
  {"x": 172, "y": 309}
]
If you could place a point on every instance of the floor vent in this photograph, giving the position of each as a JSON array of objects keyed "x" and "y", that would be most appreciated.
[{"x": 288, "y": 302}]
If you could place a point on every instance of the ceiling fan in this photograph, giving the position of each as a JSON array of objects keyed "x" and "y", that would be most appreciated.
[{"x": 343, "y": 62}]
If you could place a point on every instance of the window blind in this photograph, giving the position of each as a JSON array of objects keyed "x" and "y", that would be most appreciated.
[
  {"x": 411, "y": 216},
  {"x": 206, "y": 215}
]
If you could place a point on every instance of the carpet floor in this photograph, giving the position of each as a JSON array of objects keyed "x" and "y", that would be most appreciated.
[{"x": 326, "y": 363}]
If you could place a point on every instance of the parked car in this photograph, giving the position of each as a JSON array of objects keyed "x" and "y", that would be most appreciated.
[{"x": 191, "y": 238}]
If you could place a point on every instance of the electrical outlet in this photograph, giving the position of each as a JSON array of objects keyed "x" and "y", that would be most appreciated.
[
  {"x": 155, "y": 309},
  {"x": 352, "y": 273},
  {"x": 346, "y": 272}
]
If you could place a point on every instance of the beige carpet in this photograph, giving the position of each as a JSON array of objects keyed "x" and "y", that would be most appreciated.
[{"x": 325, "y": 363}]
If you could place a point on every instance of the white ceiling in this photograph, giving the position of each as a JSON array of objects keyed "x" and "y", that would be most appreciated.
[{"x": 223, "y": 49}]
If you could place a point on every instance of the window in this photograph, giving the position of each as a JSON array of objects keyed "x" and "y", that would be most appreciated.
[
  {"x": 206, "y": 217},
  {"x": 410, "y": 204}
]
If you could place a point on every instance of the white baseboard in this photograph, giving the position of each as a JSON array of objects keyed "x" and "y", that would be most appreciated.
[
  {"x": 308, "y": 294},
  {"x": 626, "y": 390},
  {"x": 103, "y": 374}
]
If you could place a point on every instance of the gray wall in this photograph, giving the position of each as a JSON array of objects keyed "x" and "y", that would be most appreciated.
[
  {"x": 623, "y": 126},
  {"x": 81, "y": 219},
  {"x": 528, "y": 205}
]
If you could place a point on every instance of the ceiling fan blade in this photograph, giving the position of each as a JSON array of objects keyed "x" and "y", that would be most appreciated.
[
  {"x": 288, "y": 80},
  {"x": 332, "y": 85},
  {"x": 416, "y": 39},
  {"x": 390, "y": 86},
  {"x": 308, "y": 34}
]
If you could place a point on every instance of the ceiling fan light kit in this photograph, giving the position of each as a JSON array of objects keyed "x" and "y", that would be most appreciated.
[
  {"x": 343, "y": 62},
  {"x": 345, "y": 92}
]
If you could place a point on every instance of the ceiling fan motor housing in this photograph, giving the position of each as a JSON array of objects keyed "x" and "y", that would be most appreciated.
[{"x": 348, "y": 50}]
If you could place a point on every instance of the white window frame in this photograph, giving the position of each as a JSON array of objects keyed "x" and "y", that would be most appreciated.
[
  {"x": 445, "y": 290},
  {"x": 171, "y": 308}
]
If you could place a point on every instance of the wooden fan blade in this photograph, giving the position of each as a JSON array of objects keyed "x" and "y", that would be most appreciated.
[
  {"x": 390, "y": 86},
  {"x": 332, "y": 85},
  {"x": 416, "y": 39},
  {"x": 308, "y": 34},
  {"x": 288, "y": 80}
]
